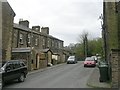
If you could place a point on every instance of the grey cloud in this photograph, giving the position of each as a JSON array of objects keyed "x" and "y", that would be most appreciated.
[{"x": 64, "y": 17}]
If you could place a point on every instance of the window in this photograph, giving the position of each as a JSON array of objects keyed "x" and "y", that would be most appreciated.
[
  {"x": 21, "y": 38},
  {"x": 32, "y": 62},
  {"x": 43, "y": 41},
  {"x": 52, "y": 43},
  {"x": 28, "y": 38},
  {"x": 16, "y": 65},
  {"x": 22, "y": 64},
  {"x": 48, "y": 43},
  {"x": 9, "y": 66},
  {"x": 56, "y": 44},
  {"x": 36, "y": 41},
  {"x": 59, "y": 45},
  {"x": 117, "y": 6}
]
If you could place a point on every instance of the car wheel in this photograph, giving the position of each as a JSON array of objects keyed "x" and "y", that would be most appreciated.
[{"x": 21, "y": 78}]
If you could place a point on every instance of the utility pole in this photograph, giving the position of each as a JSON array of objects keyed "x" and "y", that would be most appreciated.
[{"x": 104, "y": 32}]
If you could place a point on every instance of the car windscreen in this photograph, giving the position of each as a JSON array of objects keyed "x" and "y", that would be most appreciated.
[
  {"x": 1, "y": 66},
  {"x": 71, "y": 57},
  {"x": 89, "y": 59},
  {"x": 2, "y": 63}
]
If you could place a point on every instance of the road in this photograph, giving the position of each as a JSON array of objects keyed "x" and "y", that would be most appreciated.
[{"x": 62, "y": 76}]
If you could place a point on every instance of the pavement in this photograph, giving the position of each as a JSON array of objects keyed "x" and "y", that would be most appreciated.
[{"x": 94, "y": 82}]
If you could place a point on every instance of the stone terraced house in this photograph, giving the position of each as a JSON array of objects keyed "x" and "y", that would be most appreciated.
[
  {"x": 36, "y": 46},
  {"x": 33, "y": 45}
]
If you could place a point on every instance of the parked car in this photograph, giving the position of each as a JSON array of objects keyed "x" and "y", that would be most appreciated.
[
  {"x": 95, "y": 58},
  {"x": 89, "y": 61},
  {"x": 49, "y": 64},
  {"x": 71, "y": 59},
  {"x": 12, "y": 70}
]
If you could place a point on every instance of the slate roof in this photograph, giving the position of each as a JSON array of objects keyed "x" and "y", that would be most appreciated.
[
  {"x": 24, "y": 28},
  {"x": 21, "y": 27}
]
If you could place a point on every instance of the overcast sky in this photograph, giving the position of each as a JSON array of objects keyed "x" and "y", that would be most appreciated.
[{"x": 66, "y": 19}]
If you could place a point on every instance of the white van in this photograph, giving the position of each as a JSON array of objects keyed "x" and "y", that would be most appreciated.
[{"x": 71, "y": 59}]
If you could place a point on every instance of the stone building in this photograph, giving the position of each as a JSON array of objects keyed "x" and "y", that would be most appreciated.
[
  {"x": 35, "y": 45},
  {"x": 0, "y": 31},
  {"x": 111, "y": 33},
  {"x": 6, "y": 29}
]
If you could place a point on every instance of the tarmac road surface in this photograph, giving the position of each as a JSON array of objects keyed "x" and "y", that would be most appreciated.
[{"x": 63, "y": 76}]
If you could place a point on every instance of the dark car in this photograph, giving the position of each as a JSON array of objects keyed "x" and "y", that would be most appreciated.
[
  {"x": 71, "y": 59},
  {"x": 12, "y": 70},
  {"x": 95, "y": 58}
]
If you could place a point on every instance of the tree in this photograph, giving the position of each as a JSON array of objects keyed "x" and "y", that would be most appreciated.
[
  {"x": 89, "y": 47},
  {"x": 86, "y": 47},
  {"x": 84, "y": 40},
  {"x": 71, "y": 48}
]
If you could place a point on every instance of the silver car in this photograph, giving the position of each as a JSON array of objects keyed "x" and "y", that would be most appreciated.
[{"x": 71, "y": 59}]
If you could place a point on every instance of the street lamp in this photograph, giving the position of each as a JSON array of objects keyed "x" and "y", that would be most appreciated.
[{"x": 104, "y": 34}]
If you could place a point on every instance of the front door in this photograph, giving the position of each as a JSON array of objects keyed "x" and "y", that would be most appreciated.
[
  {"x": 37, "y": 61},
  {"x": 49, "y": 57}
]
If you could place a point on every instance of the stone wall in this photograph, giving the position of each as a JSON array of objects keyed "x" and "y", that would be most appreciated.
[
  {"x": 112, "y": 35},
  {"x": 43, "y": 64},
  {"x": 7, "y": 27},
  {"x": 0, "y": 25},
  {"x": 115, "y": 67},
  {"x": 24, "y": 56},
  {"x": 111, "y": 26}
]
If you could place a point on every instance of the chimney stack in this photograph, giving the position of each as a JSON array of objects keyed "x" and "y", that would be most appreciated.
[
  {"x": 45, "y": 30},
  {"x": 36, "y": 28},
  {"x": 24, "y": 23}
]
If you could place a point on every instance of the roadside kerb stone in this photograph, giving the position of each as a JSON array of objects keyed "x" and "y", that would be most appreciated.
[{"x": 44, "y": 69}]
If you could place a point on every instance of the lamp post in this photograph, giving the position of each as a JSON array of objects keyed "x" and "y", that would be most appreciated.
[{"x": 104, "y": 32}]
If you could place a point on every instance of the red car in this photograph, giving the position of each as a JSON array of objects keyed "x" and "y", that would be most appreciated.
[{"x": 89, "y": 62}]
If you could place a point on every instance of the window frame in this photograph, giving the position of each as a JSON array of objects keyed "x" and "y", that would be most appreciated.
[
  {"x": 36, "y": 41},
  {"x": 21, "y": 38},
  {"x": 29, "y": 39}
]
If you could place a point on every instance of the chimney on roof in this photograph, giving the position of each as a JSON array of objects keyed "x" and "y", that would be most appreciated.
[
  {"x": 45, "y": 30},
  {"x": 24, "y": 23},
  {"x": 36, "y": 28}
]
